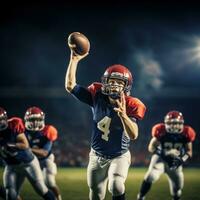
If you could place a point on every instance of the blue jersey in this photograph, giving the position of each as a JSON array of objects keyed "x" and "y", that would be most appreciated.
[
  {"x": 176, "y": 141},
  {"x": 13, "y": 156},
  {"x": 108, "y": 136},
  {"x": 42, "y": 139}
]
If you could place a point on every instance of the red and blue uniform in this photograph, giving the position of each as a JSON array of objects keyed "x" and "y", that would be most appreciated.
[
  {"x": 14, "y": 156},
  {"x": 42, "y": 139},
  {"x": 117, "y": 142},
  {"x": 173, "y": 140}
]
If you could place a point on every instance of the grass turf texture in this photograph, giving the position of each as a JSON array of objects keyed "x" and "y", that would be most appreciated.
[{"x": 73, "y": 185}]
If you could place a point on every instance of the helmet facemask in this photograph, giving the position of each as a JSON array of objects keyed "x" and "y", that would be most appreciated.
[
  {"x": 115, "y": 84},
  {"x": 35, "y": 122},
  {"x": 174, "y": 122},
  {"x": 174, "y": 127}
]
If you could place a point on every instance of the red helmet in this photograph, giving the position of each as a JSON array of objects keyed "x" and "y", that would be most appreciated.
[
  {"x": 174, "y": 122},
  {"x": 3, "y": 119},
  {"x": 34, "y": 119},
  {"x": 119, "y": 72}
]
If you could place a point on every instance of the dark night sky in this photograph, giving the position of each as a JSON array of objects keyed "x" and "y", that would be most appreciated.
[
  {"x": 160, "y": 43},
  {"x": 157, "y": 43}
]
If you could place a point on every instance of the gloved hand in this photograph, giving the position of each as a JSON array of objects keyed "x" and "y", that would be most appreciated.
[
  {"x": 175, "y": 163},
  {"x": 10, "y": 149}
]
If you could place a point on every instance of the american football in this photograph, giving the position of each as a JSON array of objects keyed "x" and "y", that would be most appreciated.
[{"x": 79, "y": 43}]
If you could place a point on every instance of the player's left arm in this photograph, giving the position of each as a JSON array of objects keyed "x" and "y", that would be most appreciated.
[
  {"x": 190, "y": 135},
  {"x": 180, "y": 160},
  {"x": 21, "y": 142},
  {"x": 188, "y": 148},
  {"x": 17, "y": 127},
  {"x": 44, "y": 151},
  {"x": 130, "y": 127},
  {"x": 51, "y": 134}
]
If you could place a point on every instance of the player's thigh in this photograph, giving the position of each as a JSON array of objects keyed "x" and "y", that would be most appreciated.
[
  {"x": 19, "y": 181},
  {"x": 9, "y": 177},
  {"x": 50, "y": 165},
  {"x": 97, "y": 170},
  {"x": 33, "y": 170},
  {"x": 118, "y": 173},
  {"x": 156, "y": 168},
  {"x": 119, "y": 166},
  {"x": 35, "y": 176}
]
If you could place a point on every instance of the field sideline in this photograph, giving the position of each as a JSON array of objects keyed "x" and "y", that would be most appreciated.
[{"x": 72, "y": 182}]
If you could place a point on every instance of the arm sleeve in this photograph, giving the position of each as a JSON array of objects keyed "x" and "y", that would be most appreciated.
[
  {"x": 82, "y": 94},
  {"x": 47, "y": 146}
]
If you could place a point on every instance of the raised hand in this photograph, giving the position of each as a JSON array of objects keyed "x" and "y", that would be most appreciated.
[
  {"x": 121, "y": 105},
  {"x": 77, "y": 57}
]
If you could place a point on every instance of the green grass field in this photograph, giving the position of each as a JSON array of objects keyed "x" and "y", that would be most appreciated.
[{"x": 72, "y": 182}]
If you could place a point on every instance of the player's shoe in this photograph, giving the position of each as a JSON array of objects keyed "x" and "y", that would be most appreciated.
[{"x": 140, "y": 198}]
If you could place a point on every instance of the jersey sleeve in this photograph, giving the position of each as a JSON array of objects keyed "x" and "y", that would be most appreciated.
[
  {"x": 48, "y": 146},
  {"x": 157, "y": 131},
  {"x": 190, "y": 134},
  {"x": 50, "y": 133},
  {"x": 86, "y": 95},
  {"x": 16, "y": 125},
  {"x": 135, "y": 108},
  {"x": 82, "y": 94}
]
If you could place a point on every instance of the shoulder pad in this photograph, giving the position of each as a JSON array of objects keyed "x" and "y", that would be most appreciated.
[
  {"x": 158, "y": 130},
  {"x": 190, "y": 133},
  {"x": 135, "y": 108},
  {"x": 50, "y": 132},
  {"x": 16, "y": 125},
  {"x": 94, "y": 87}
]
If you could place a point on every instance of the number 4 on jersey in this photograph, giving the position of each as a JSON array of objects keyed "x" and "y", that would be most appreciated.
[{"x": 104, "y": 126}]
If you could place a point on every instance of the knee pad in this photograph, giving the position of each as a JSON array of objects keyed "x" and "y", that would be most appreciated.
[{"x": 116, "y": 186}]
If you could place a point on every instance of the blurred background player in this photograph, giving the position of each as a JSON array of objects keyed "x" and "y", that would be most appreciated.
[
  {"x": 171, "y": 146},
  {"x": 115, "y": 116},
  {"x": 19, "y": 160},
  {"x": 41, "y": 138}
]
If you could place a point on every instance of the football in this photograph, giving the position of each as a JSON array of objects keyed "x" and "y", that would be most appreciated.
[{"x": 79, "y": 43}]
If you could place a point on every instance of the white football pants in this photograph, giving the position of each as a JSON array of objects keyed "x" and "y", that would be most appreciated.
[{"x": 101, "y": 170}]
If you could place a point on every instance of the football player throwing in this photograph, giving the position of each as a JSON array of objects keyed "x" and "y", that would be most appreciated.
[
  {"x": 41, "y": 138},
  {"x": 115, "y": 116},
  {"x": 171, "y": 145},
  {"x": 20, "y": 162}
]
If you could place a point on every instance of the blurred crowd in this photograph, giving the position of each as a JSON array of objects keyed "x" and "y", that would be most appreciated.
[{"x": 72, "y": 119}]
